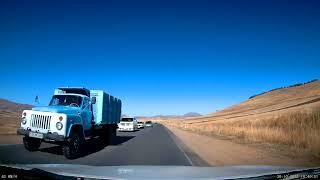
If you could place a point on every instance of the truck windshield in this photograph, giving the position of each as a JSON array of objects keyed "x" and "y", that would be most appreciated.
[
  {"x": 127, "y": 119},
  {"x": 66, "y": 100}
]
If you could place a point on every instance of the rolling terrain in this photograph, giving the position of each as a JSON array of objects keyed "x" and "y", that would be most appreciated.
[
  {"x": 162, "y": 117},
  {"x": 10, "y": 114},
  {"x": 287, "y": 116},
  {"x": 280, "y": 127}
]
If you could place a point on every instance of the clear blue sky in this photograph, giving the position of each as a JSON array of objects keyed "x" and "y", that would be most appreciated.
[{"x": 159, "y": 57}]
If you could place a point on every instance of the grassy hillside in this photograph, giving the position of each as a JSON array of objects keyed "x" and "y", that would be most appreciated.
[{"x": 286, "y": 116}]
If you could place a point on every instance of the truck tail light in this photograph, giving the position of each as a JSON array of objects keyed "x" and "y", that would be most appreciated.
[{"x": 60, "y": 118}]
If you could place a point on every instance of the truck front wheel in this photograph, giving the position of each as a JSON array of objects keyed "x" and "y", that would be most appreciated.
[
  {"x": 31, "y": 144},
  {"x": 72, "y": 148}
]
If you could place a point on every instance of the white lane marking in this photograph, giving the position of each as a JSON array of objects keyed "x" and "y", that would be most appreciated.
[{"x": 177, "y": 143}]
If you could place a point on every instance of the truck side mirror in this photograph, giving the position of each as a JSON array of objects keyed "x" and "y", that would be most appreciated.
[
  {"x": 36, "y": 99},
  {"x": 93, "y": 100}
]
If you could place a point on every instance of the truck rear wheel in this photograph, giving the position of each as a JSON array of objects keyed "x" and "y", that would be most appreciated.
[
  {"x": 72, "y": 148},
  {"x": 31, "y": 144},
  {"x": 104, "y": 136},
  {"x": 108, "y": 135},
  {"x": 112, "y": 135}
]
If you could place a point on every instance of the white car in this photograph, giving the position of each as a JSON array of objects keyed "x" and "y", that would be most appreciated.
[
  {"x": 128, "y": 124},
  {"x": 148, "y": 124},
  {"x": 140, "y": 125}
]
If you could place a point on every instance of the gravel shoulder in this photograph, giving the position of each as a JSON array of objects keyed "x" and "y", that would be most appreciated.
[{"x": 223, "y": 152}]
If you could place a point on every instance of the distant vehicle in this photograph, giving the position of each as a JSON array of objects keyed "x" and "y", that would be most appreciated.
[
  {"x": 128, "y": 124},
  {"x": 73, "y": 115},
  {"x": 140, "y": 125},
  {"x": 148, "y": 124}
]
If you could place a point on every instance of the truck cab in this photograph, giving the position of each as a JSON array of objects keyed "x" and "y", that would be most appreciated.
[
  {"x": 72, "y": 115},
  {"x": 77, "y": 108}
]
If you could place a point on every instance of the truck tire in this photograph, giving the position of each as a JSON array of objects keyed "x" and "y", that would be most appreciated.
[
  {"x": 31, "y": 144},
  {"x": 73, "y": 146},
  {"x": 113, "y": 135},
  {"x": 104, "y": 136},
  {"x": 108, "y": 135}
]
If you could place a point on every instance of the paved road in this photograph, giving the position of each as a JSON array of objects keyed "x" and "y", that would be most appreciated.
[{"x": 149, "y": 146}]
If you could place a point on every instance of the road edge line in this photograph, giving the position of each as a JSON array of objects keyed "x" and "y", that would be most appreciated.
[{"x": 177, "y": 143}]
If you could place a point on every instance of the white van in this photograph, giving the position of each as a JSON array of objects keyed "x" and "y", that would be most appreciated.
[{"x": 128, "y": 124}]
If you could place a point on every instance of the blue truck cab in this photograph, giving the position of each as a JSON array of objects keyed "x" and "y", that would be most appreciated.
[{"x": 72, "y": 116}]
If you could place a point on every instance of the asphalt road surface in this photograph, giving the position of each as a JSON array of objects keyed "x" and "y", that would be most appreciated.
[{"x": 149, "y": 146}]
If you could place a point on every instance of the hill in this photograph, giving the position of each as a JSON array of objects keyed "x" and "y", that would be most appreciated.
[
  {"x": 6, "y": 105},
  {"x": 191, "y": 114},
  {"x": 157, "y": 117},
  {"x": 285, "y": 116},
  {"x": 10, "y": 113},
  {"x": 273, "y": 103}
]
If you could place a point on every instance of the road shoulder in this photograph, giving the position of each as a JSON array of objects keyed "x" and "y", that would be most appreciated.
[
  {"x": 10, "y": 139},
  {"x": 219, "y": 152},
  {"x": 191, "y": 156}
]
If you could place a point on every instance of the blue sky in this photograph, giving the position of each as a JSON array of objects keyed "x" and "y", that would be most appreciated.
[{"x": 159, "y": 57}]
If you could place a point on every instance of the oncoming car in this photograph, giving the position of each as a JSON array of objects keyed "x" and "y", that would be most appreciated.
[{"x": 128, "y": 124}]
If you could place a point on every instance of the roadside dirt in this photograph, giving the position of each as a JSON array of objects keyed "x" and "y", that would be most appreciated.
[
  {"x": 10, "y": 139},
  {"x": 221, "y": 152}
]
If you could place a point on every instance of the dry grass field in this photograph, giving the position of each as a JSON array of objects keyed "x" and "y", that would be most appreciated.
[
  {"x": 10, "y": 114},
  {"x": 9, "y": 122},
  {"x": 289, "y": 116}
]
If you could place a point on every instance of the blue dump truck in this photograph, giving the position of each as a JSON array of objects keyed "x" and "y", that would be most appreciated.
[{"x": 73, "y": 116}]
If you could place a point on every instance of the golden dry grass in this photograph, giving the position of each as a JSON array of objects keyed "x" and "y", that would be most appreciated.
[
  {"x": 299, "y": 130},
  {"x": 289, "y": 116},
  {"x": 9, "y": 122}
]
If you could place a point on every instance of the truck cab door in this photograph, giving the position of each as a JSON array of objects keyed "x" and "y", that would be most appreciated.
[{"x": 86, "y": 116}]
